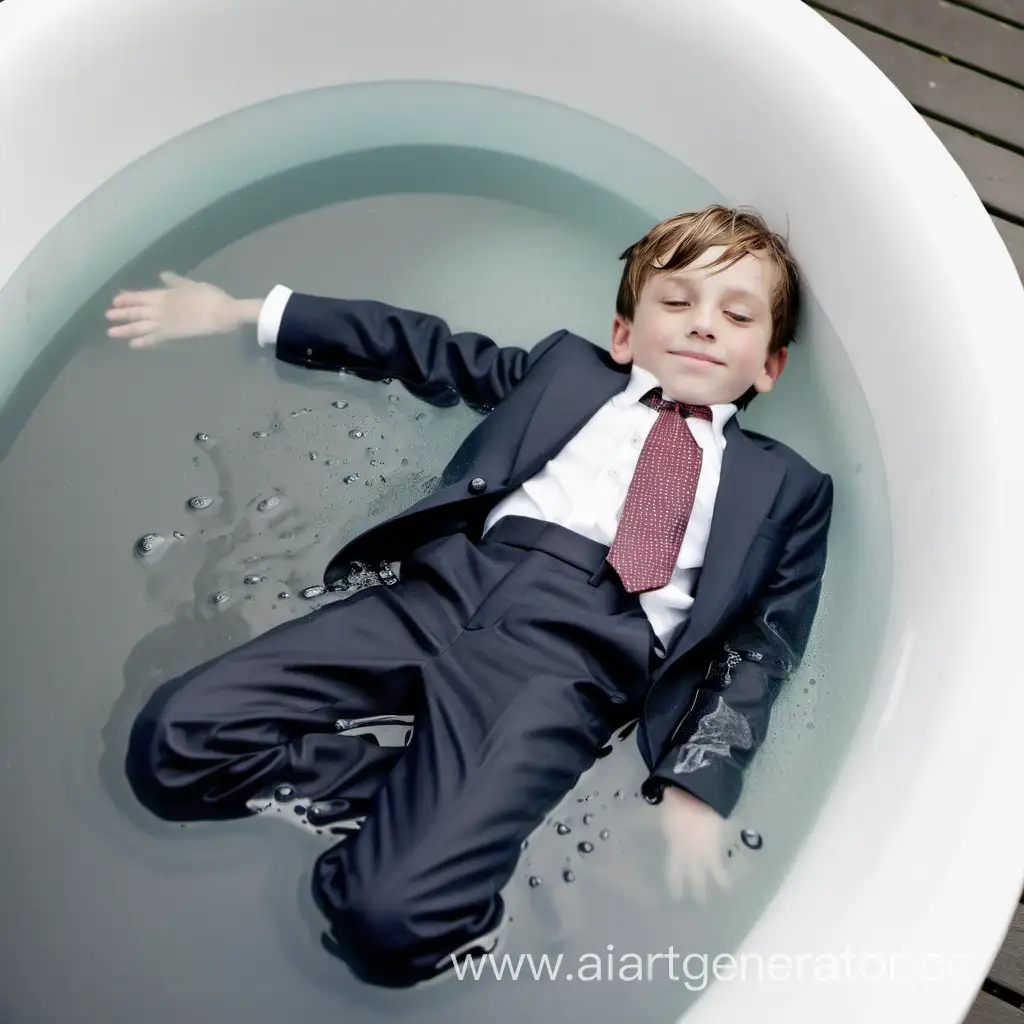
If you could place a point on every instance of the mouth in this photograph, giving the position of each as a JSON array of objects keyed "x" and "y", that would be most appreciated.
[{"x": 700, "y": 357}]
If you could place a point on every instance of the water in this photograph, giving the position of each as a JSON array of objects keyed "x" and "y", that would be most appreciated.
[{"x": 107, "y": 909}]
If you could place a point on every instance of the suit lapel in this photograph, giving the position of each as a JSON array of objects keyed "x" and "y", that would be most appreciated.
[
  {"x": 749, "y": 481},
  {"x": 569, "y": 399}
]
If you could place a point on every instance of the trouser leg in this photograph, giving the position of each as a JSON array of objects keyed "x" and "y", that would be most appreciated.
[
  {"x": 266, "y": 713},
  {"x": 514, "y": 711}
]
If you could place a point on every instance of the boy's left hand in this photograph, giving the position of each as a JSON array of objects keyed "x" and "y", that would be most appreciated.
[{"x": 694, "y": 834}]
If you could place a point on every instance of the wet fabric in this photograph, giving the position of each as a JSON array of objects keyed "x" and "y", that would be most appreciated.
[{"x": 517, "y": 656}]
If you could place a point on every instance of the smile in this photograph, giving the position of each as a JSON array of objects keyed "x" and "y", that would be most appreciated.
[{"x": 696, "y": 356}]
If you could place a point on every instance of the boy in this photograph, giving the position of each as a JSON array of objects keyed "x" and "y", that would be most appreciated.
[{"x": 566, "y": 577}]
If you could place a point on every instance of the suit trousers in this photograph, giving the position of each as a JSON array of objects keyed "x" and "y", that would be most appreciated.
[{"x": 518, "y": 655}]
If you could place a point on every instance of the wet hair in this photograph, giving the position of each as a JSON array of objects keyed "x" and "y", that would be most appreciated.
[{"x": 679, "y": 240}]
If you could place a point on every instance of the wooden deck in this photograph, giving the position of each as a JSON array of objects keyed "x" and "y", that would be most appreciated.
[{"x": 961, "y": 64}]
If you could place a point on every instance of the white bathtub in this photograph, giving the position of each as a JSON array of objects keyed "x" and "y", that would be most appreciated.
[{"x": 917, "y": 852}]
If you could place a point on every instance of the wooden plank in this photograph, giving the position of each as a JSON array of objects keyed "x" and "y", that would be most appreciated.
[
  {"x": 971, "y": 37},
  {"x": 940, "y": 87},
  {"x": 989, "y": 1010},
  {"x": 997, "y": 174},
  {"x": 1012, "y": 9},
  {"x": 1008, "y": 968},
  {"x": 1013, "y": 238}
]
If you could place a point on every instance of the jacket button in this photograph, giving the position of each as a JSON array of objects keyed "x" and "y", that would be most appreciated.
[
  {"x": 618, "y": 698},
  {"x": 478, "y": 484}
]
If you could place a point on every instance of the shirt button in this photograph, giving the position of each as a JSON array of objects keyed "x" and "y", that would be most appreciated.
[
  {"x": 613, "y": 473},
  {"x": 637, "y": 441},
  {"x": 309, "y": 351},
  {"x": 477, "y": 484}
]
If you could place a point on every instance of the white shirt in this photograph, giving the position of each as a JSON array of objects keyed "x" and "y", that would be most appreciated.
[{"x": 584, "y": 487}]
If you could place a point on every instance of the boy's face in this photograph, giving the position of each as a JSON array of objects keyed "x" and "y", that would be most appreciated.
[{"x": 704, "y": 333}]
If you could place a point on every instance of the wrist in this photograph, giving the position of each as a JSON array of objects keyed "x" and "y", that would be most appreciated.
[{"x": 246, "y": 311}]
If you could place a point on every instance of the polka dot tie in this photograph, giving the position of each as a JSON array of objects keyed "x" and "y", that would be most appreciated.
[{"x": 660, "y": 498}]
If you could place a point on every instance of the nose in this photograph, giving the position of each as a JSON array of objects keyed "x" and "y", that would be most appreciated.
[{"x": 701, "y": 325}]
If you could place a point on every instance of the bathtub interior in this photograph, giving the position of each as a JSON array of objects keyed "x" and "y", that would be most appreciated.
[{"x": 885, "y": 690}]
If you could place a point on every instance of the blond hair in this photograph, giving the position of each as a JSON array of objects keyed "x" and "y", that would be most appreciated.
[{"x": 678, "y": 241}]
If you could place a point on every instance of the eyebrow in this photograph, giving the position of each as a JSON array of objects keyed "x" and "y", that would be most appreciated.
[{"x": 733, "y": 293}]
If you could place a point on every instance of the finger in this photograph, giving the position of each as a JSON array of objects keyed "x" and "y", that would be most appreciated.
[
  {"x": 151, "y": 297},
  {"x": 721, "y": 874},
  {"x": 699, "y": 883},
  {"x": 674, "y": 876},
  {"x": 146, "y": 341},
  {"x": 136, "y": 329},
  {"x": 125, "y": 313},
  {"x": 173, "y": 280}
]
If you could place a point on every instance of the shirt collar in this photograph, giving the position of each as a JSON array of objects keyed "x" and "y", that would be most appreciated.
[{"x": 641, "y": 381}]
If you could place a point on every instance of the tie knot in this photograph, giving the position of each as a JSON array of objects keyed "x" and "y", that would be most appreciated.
[{"x": 656, "y": 400}]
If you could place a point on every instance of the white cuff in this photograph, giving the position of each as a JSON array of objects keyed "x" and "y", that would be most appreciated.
[{"x": 271, "y": 312}]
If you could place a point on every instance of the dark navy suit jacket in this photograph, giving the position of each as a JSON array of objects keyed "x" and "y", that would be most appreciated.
[{"x": 708, "y": 701}]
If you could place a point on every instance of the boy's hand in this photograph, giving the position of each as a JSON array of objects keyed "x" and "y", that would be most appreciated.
[
  {"x": 184, "y": 309},
  {"x": 694, "y": 835}
]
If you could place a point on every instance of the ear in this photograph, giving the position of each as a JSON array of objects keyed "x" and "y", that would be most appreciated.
[
  {"x": 773, "y": 367},
  {"x": 621, "y": 349}
]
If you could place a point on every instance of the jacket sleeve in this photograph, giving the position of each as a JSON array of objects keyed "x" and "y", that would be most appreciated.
[
  {"x": 374, "y": 340},
  {"x": 728, "y": 720}
]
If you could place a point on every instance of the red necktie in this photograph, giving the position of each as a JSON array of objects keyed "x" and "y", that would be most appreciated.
[{"x": 660, "y": 498}]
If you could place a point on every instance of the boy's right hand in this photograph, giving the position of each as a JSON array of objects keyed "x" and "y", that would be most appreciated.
[{"x": 183, "y": 309}]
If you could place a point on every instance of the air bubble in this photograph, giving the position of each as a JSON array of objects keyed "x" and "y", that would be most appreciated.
[
  {"x": 201, "y": 437},
  {"x": 585, "y": 847},
  {"x": 221, "y": 596},
  {"x": 299, "y": 412},
  {"x": 148, "y": 544},
  {"x": 535, "y": 881},
  {"x": 312, "y": 456},
  {"x": 199, "y": 502},
  {"x": 587, "y": 818},
  {"x": 568, "y": 876},
  {"x": 259, "y": 433},
  {"x": 604, "y": 833},
  {"x": 356, "y": 434},
  {"x": 310, "y": 592},
  {"x": 751, "y": 838},
  {"x": 340, "y": 405},
  {"x": 268, "y": 503},
  {"x": 351, "y": 478},
  {"x": 562, "y": 829},
  {"x": 178, "y": 535},
  {"x": 285, "y": 596},
  {"x": 252, "y": 580}
]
